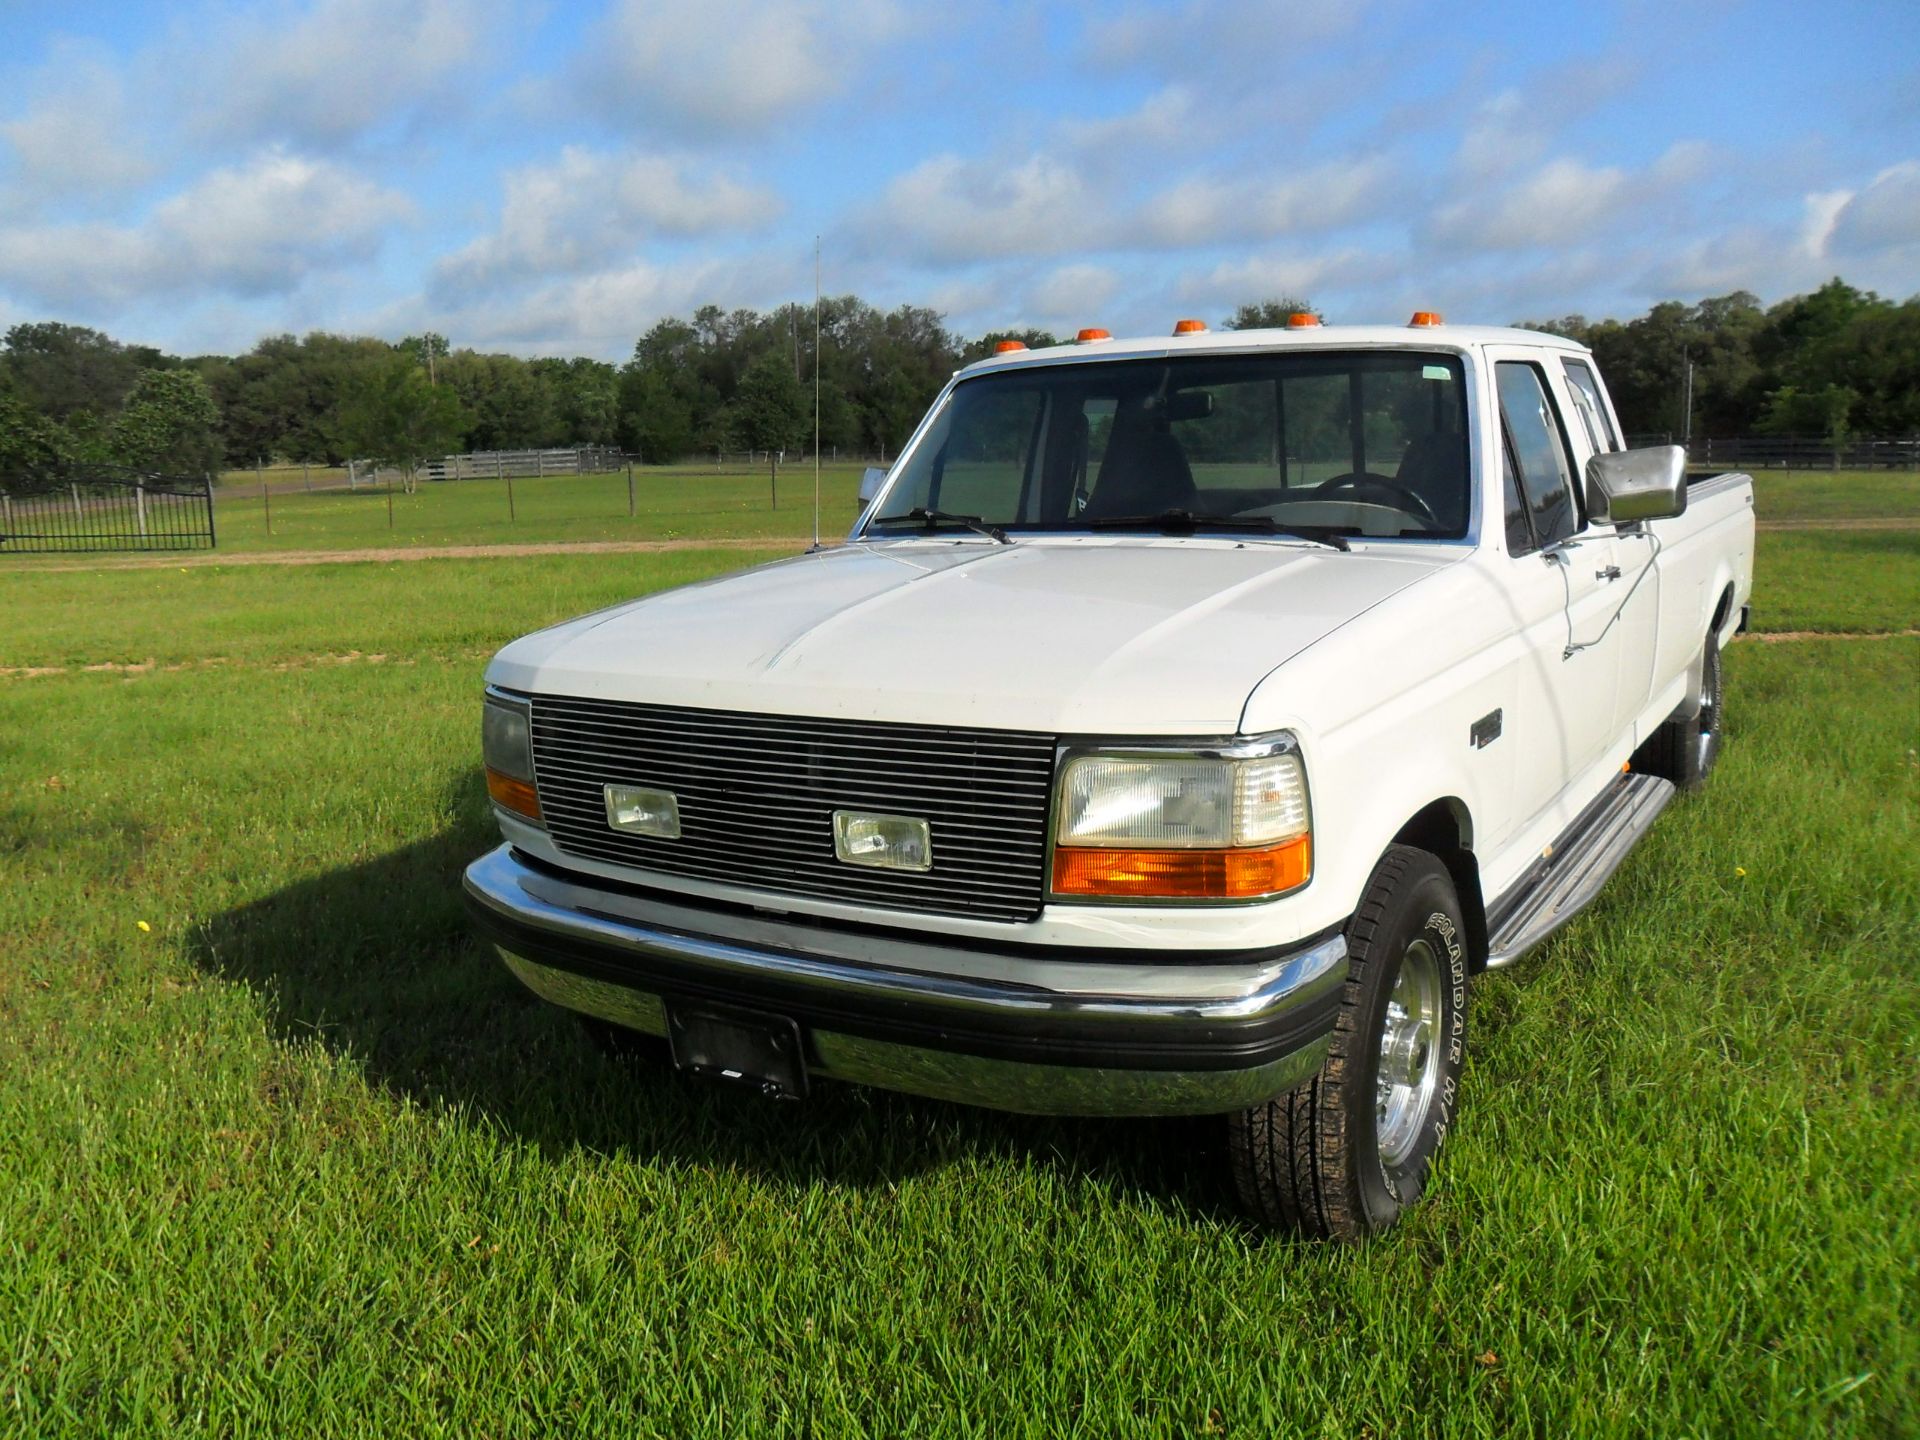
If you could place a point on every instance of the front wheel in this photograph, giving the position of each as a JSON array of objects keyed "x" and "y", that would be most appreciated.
[{"x": 1345, "y": 1153}]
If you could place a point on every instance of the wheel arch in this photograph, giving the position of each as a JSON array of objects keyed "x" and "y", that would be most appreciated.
[{"x": 1444, "y": 829}]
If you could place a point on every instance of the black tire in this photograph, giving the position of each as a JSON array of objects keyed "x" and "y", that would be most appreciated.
[
  {"x": 1685, "y": 748},
  {"x": 1319, "y": 1159}
]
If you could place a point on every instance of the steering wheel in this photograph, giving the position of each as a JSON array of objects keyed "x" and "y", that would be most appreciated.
[{"x": 1364, "y": 483}]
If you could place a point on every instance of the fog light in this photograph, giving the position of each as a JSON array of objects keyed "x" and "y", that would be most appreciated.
[
  {"x": 640, "y": 811},
  {"x": 885, "y": 842}
]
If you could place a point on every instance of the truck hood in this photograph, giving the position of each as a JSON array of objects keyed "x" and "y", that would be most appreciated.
[{"x": 1093, "y": 635}]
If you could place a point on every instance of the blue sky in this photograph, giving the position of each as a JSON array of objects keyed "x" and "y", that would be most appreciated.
[{"x": 551, "y": 179}]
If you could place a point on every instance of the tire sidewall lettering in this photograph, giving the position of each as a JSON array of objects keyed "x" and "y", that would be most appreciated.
[{"x": 1443, "y": 931}]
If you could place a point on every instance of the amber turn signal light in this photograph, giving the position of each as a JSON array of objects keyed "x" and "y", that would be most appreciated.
[
  {"x": 511, "y": 794},
  {"x": 1183, "y": 874}
]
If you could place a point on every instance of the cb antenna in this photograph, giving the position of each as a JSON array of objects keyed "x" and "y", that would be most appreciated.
[{"x": 816, "y": 392}]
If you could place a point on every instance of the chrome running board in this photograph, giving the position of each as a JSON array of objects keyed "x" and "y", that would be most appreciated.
[{"x": 1579, "y": 863}]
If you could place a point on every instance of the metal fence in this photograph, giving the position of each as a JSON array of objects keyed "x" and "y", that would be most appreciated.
[
  {"x": 88, "y": 508},
  {"x": 1793, "y": 452},
  {"x": 499, "y": 464},
  {"x": 1807, "y": 452}
]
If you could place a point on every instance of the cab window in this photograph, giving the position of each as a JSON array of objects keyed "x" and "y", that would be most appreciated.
[
  {"x": 1584, "y": 386},
  {"x": 1540, "y": 452}
]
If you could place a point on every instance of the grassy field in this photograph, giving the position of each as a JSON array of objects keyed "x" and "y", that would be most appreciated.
[
  {"x": 694, "y": 503},
  {"x": 282, "y": 1150},
  {"x": 1837, "y": 495},
  {"x": 675, "y": 503}
]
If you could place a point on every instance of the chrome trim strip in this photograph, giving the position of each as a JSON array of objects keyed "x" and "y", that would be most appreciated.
[
  {"x": 1173, "y": 997},
  {"x": 1024, "y": 1087},
  {"x": 1178, "y": 996}
]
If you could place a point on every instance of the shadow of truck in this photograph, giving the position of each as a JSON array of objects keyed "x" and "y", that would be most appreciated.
[{"x": 375, "y": 960}]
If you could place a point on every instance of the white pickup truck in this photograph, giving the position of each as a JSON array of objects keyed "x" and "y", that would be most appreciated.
[{"x": 1182, "y": 726}]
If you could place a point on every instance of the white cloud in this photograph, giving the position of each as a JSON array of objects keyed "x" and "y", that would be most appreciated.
[
  {"x": 950, "y": 209},
  {"x": 75, "y": 134},
  {"x": 602, "y": 313},
  {"x": 334, "y": 72},
  {"x": 1264, "y": 277},
  {"x": 1561, "y": 201},
  {"x": 254, "y": 229},
  {"x": 1209, "y": 210},
  {"x": 955, "y": 210},
  {"x": 1166, "y": 118},
  {"x": 730, "y": 66},
  {"x": 1885, "y": 215},
  {"x": 1072, "y": 295},
  {"x": 587, "y": 207},
  {"x": 1822, "y": 212}
]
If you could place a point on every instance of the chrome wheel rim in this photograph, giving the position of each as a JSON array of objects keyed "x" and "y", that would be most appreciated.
[
  {"x": 1408, "y": 1071},
  {"x": 1707, "y": 736}
]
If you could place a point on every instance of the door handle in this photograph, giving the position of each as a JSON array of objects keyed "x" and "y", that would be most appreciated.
[{"x": 1612, "y": 572}]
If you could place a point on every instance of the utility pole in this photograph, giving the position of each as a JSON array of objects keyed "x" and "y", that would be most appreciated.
[{"x": 1686, "y": 418}]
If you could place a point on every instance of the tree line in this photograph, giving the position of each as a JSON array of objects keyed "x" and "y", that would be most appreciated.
[{"x": 1835, "y": 363}]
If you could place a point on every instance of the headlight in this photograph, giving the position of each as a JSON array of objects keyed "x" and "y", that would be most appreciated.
[
  {"x": 506, "y": 746},
  {"x": 1223, "y": 823}
]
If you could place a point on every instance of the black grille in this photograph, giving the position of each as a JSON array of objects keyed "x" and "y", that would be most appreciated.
[{"x": 757, "y": 795}]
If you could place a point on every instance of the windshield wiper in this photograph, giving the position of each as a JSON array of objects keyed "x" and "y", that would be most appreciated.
[
  {"x": 931, "y": 518},
  {"x": 1185, "y": 522}
]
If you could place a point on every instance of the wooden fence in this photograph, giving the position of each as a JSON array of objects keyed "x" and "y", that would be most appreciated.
[{"x": 499, "y": 464}]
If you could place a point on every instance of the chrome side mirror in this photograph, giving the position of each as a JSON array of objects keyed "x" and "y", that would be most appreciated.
[
  {"x": 1626, "y": 487},
  {"x": 871, "y": 479}
]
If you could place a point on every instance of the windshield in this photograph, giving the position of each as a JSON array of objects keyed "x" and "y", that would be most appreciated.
[{"x": 1361, "y": 442}]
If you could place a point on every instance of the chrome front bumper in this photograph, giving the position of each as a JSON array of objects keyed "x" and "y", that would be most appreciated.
[{"x": 1021, "y": 1029}]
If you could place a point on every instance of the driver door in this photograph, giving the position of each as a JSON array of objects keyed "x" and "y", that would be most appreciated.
[{"x": 1562, "y": 586}]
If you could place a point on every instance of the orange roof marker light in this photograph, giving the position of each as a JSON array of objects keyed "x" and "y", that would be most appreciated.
[
  {"x": 1189, "y": 327},
  {"x": 1092, "y": 333},
  {"x": 1302, "y": 320},
  {"x": 1425, "y": 318},
  {"x": 1007, "y": 347}
]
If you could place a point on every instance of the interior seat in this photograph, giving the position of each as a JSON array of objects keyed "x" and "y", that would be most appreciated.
[
  {"x": 1434, "y": 467},
  {"x": 1143, "y": 477}
]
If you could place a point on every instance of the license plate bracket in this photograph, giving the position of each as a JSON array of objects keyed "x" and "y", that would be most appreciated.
[{"x": 742, "y": 1047}]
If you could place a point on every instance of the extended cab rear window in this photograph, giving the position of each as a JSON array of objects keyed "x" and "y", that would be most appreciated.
[{"x": 1366, "y": 443}]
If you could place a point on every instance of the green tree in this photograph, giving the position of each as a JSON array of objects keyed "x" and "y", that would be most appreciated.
[
  {"x": 65, "y": 370},
  {"x": 583, "y": 400},
  {"x": 986, "y": 345},
  {"x": 169, "y": 423},
  {"x": 29, "y": 442},
  {"x": 1267, "y": 314},
  {"x": 656, "y": 422},
  {"x": 508, "y": 405},
  {"x": 393, "y": 415},
  {"x": 771, "y": 411}
]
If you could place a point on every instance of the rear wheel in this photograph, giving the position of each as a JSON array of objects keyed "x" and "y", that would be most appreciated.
[
  {"x": 1684, "y": 749},
  {"x": 1345, "y": 1153}
]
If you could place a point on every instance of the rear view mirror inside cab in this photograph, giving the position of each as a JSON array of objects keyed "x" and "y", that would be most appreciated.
[{"x": 1189, "y": 405}]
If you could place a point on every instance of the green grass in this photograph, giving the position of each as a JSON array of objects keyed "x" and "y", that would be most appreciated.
[
  {"x": 300, "y": 1157},
  {"x": 669, "y": 504},
  {"x": 1836, "y": 495},
  {"x": 1838, "y": 580},
  {"x": 208, "y": 616}
]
